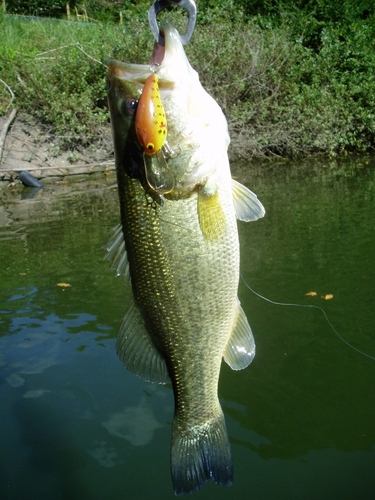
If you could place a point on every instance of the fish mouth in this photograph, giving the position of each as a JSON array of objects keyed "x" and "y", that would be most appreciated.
[
  {"x": 166, "y": 61},
  {"x": 172, "y": 43},
  {"x": 158, "y": 53}
]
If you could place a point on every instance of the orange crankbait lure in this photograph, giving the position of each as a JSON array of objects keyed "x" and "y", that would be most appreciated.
[
  {"x": 151, "y": 130},
  {"x": 150, "y": 120}
]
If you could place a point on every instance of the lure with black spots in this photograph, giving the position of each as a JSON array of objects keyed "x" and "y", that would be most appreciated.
[
  {"x": 150, "y": 119},
  {"x": 151, "y": 132}
]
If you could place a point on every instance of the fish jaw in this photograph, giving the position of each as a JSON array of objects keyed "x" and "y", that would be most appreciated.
[
  {"x": 197, "y": 128},
  {"x": 196, "y": 121}
]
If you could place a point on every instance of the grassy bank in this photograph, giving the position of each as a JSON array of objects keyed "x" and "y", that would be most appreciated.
[{"x": 284, "y": 91}]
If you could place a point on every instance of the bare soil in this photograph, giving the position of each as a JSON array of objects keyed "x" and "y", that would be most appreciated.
[{"x": 31, "y": 146}]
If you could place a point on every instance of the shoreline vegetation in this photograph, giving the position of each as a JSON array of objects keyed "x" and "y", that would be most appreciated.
[{"x": 293, "y": 78}]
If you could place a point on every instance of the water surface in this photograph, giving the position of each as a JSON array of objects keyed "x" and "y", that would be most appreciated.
[{"x": 76, "y": 425}]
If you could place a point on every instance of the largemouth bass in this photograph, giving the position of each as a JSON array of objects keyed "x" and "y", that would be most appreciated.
[{"x": 182, "y": 256}]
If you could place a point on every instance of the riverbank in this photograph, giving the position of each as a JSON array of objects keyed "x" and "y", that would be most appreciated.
[
  {"x": 292, "y": 83},
  {"x": 30, "y": 146}
]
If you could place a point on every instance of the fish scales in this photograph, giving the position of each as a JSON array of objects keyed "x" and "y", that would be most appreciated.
[
  {"x": 182, "y": 322},
  {"x": 177, "y": 286},
  {"x": 182, "y": 257}
]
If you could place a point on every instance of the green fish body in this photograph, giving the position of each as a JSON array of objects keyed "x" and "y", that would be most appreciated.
[{"x": 182, "y": 256}]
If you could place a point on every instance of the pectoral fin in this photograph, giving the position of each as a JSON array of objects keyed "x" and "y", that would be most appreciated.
[
  {"x": 240, "y": 349},
  {"x": 136, "y": 350},
  {"x": 211, "y": 215},
  {"x": 117, "y": 252},
  {"x": 246, "y": 204}
]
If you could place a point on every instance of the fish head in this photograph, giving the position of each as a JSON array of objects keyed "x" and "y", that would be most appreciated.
[{"x": 197, "y": 128}]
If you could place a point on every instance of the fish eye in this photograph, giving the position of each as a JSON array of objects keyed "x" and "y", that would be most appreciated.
[{"x": 130, "y": 106}]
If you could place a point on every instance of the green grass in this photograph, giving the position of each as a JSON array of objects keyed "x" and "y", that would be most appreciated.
[
  {"x": 57, "y": 71},
  {"x": 285, "y": 90}
]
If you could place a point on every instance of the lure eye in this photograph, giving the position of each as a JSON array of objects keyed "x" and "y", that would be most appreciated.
[
  {"x": 150, "y": 147},
  {"x": 130, "y": 106}
]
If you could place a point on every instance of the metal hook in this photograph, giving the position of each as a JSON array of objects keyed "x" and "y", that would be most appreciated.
[{"x": 159, "y": 5}]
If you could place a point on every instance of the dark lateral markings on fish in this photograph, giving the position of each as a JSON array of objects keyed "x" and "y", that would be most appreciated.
[{"x": 178, "y": 225}]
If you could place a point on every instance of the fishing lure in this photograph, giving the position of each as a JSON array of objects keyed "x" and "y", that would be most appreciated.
[
  {"x": 150, "y": 120},
  {"x": 151, "y": 130}
]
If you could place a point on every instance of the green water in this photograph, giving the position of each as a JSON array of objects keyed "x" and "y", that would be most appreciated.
[{"x": 74, "y": 424}]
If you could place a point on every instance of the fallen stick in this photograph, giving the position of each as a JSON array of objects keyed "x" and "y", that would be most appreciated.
[
  {"x": 109, "y": 163},
  {"x": 10, "y": 92},
  {"x": 5, "y": 130}
]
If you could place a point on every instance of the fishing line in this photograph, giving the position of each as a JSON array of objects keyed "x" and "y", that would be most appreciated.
[{"x": 310, "y": 306}]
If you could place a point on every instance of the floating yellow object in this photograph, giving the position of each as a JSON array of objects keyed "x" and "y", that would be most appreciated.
[
  {"x": 64, "y": 285},
  {"x": 311, "y": 294},
  {"x": 329, "y": 296},
  {"x": 150, "y": 119}
]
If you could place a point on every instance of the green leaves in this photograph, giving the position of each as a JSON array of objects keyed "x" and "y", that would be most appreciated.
[{"x": 299, "y": 80}]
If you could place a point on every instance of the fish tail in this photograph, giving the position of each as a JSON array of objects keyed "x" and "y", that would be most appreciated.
[{"x": 200, "y": 453}]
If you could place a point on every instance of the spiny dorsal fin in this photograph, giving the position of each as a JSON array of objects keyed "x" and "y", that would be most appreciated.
[
  {"x": 246, "y": 204},
  {"x": 240, "y": 349},
  {"x": 136, "y": 350},
  {"x": 117, "y": 252},
  {"x": 211, "y": 216}
]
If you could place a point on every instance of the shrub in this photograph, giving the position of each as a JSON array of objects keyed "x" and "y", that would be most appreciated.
[{"x": 289, "y": 84}]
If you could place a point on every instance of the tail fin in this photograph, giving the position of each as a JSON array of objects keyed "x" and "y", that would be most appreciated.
[{"x": 200, "y": 453}]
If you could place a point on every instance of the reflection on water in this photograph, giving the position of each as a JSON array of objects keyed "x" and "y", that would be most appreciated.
[
  {"x": 136, "y": 424},
  {"x": 76, "y": 424}
]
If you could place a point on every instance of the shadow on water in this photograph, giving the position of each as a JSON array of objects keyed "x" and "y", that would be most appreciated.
[{"x": 75, "y": 424}]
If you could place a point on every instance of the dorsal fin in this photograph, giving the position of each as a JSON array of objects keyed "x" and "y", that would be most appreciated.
[
  {"x": 246, "y": 204},
  {"x": 117, "y": 252},
  {"x": 136, "y": 350},
  {"x": 240, "y": 349}
]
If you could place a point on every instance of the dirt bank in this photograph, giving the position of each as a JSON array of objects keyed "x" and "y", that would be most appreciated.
[{"x": 31, "y": 146}]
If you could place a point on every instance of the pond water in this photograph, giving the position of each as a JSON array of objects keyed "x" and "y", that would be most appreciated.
[{"x": 76, "y": 425}]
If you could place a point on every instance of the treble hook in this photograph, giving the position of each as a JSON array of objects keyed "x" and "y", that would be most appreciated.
[{"x": 159, "y": 5}]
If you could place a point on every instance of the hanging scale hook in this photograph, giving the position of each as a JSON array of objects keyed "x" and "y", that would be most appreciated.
[{"x": 159, "y": 5}]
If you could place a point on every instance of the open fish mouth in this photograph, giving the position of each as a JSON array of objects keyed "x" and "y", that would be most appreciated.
[
  {"x": 158, "y": 53},
  {"x": 168, "y": 61}
]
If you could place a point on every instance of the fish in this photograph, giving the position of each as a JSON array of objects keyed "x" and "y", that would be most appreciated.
[{"x": 179, "y": 248}]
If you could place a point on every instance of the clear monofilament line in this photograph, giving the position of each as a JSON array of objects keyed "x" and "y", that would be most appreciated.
[{"x": 310, "y": 306}]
